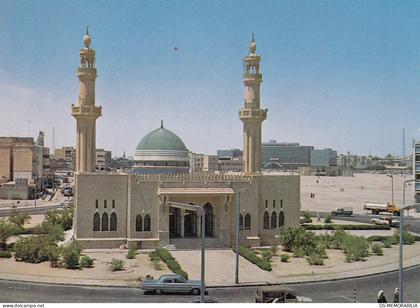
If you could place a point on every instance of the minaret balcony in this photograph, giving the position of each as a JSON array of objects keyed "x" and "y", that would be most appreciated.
[
  {"x": 252, "y": 76},
  {"x": 253, "y": 114},
  {"x": 92, "y": 111}
]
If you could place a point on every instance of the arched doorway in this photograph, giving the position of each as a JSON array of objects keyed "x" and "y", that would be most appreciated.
[
  {"x": 209, "y": 220},
  {"x": 190, "y": 224},
  {"x": 174, "y": 222}
]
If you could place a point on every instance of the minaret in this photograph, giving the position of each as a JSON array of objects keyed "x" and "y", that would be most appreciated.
[
  {"x": 85, "y": 110},
  {"x": 252, "y": 115}
]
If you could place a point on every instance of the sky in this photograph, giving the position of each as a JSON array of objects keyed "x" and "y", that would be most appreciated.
[{"x": 338, "y": 74}]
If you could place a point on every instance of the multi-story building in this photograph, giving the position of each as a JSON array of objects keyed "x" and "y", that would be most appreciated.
[
  {"x": 323, "y": 158},
  {"x": 416, "y": 170},
  {"x": 103, "y": 159},
  {"x": 65, "y": 157},
  {"x": 210, "y": 163},
  {"x": 287, "y": 155}
]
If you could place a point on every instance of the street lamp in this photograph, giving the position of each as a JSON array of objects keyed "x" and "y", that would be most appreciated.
[
  {"x": 400, "y": 270},
  {"x": 238, "y": 215},
  {"x": 392, "y": 187}
]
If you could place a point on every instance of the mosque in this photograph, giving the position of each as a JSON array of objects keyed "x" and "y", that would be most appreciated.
[{"x": 148, "y": 206}]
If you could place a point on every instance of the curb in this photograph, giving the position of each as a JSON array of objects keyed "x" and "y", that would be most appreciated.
[{"x": 244, "y": 285}]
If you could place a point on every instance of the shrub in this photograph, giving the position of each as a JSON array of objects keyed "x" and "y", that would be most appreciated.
[
  {"x": 54, "y": 232},
  {"x": 5, "y": 254},
  {"x": 326, "y": 240},
  {"x": 328, "y": 218},
  {"x": 307, "y": 217},
  {"x": 34, "y": 249},
  {"x": 71, "y": 255},
  {"x": 19, "y": 218},
  {"x": 267, "y": 255},
  {"x": 377, "y": 249},
  {"x": 315, "y": 259},
  {"x": 298, "y": 252},
  {"x": 408, "y": 238},
  {"x": 62, "y": 217},
  {"x": 252, "y": 257},
  {"x": 356, "y": 248},
  {"x": 117, "y": 265},
  {"x": 131, "y": 254},
  {"x": 387, "y": 243},
  {"x": 274, "y": 249},
  {"x": 170, "y": 261},
  {"x": 338, "y": 239},
  {"x": 54, "y": 256},
  {"x": 346, "y": 227},
  {"x": 157, "y": 265},
  {"x": 86, "y": 261},
  {"x": 7, "y": 229},
  {"x": 154, "y": 256},
  {"x": 284, "y": 257}
]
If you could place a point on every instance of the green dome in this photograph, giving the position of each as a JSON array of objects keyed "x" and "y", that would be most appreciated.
[{"x": 161, "y": 139}]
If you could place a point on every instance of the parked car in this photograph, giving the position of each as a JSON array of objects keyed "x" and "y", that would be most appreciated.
[
  {"x": 171, "y": 284},
  {"x": 342, "y": 212},
  {"x": 279, "y": 294},
  {"x": 390, "y": 221}
]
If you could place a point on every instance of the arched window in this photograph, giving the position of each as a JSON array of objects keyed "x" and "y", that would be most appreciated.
[
  {"x": 281, "y": 219},
  {"x": 147, "y": 223},
  {"x": 273, "y": 220},
  {"x": 113, "y": 222},
  {"x": 96, "y": 222},
  {"x": 247, "y": 222},
  {"x": 241, "y": 222},
  {"x": 266, "y": 223},
  {"x": 209, "y": 224},
  {"x": 104, "y": 222},
  {"x": 139, "y": 223}
]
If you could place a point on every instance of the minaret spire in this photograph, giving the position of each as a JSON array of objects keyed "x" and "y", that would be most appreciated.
[
  {"x": 85, "y": 111},
  {"x": 252, "y": 115}
]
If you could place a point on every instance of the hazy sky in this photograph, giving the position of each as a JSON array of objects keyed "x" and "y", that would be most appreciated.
[{"x": 340, "y": 74}]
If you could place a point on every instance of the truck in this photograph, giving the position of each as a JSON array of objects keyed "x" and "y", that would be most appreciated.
[
  {"x": 377, "y": 208},
  {"x": 343, "y": 212}
]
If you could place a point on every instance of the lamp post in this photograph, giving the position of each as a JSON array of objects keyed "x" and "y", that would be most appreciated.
[
  {"x": 238, "y": 215},
  {"x": 392, "y": 187}
]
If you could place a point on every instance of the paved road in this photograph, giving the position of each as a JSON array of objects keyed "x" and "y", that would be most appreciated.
[
  {"x": 30, "y": 210},
  {"x": 336, "y": 291}
]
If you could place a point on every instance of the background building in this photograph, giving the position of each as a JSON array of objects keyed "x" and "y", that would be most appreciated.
[
  {"x": 416, "y": 170},
  {"x": 287, "y": 155},
  {"x": 64, "y": 158},
  {"x": 103, "y": 159},
  {"x": 323, "y": 158}
]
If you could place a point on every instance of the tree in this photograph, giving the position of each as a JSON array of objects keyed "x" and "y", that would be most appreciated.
[
  {"x": 19, "y": 218},
  {"x": 7, "y": 229}
]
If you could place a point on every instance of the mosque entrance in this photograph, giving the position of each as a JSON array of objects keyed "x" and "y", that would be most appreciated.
[
  {"x": 174, "y": 222},
  {"x": 190, "y": 224}
]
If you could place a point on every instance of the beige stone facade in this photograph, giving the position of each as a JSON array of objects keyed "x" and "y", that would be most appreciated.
[{"x": 268, "y": 203}]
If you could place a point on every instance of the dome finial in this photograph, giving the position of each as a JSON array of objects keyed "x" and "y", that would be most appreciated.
[
  {"x": 253, "y": 45},
  {"x": 161, "y": 123},
  {"x": 86, "y": 38}
]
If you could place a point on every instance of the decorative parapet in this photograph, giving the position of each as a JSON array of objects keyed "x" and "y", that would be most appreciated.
[
  {"x": 253, "y": 114},
  {"x": 86, "y": 110},
  {"x": 196, "y": 177}
]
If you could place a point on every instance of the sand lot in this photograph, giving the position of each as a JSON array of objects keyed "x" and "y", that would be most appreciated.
[{"x": 357, "y": 190}]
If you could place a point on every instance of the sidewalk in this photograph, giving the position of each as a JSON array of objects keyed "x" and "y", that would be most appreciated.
[{"x": 219, "y": 268}]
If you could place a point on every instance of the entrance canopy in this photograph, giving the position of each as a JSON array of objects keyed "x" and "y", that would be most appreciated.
[{"x": 196, "y": 191}]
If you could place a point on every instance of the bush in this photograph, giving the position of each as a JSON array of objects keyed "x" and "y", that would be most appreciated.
[
  {"x": 328, "y": 218},
  {"x": 86, "y": 261},
  {"x": 5, "y": 254},
  {"x": 54, "y": 232},
  {"x": 34, "y": 249},
  {"x": 54, "y": 256},
  {"x": 298, "y": 252},
  {"x": 63, "y": 217},
  {"x": 338, "y": 239},
  {"x": 302, "y": 243},
  {"x": 19, "y": 218},
  {"x": 154, "y": 256},
  {"x": 274, "y": 249},
  {"x": 356, "y": 248},
  {"x": 170, "y": 261},
  {"x": 307, "y": 217},
  {"x": 408, "y": 238},
  {"x": 71, "y": 255},
  {"x": 346, "y": 227},
  {"x": 252, "y": 257},
  {"x": 267, "y": 255},
  {"x": 315, "y": 259},
  {"x": 157, "y": 265},
  {"x": 117, "y": 265},
  {"x": 131, "y": 254},
  {"x": 7, "y": 229},
  {"x": 284, "y": 257},
  {"x": 377, "y": 249}
]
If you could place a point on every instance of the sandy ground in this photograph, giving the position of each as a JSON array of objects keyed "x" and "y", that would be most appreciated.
[{"x": 361, "y": 188}]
